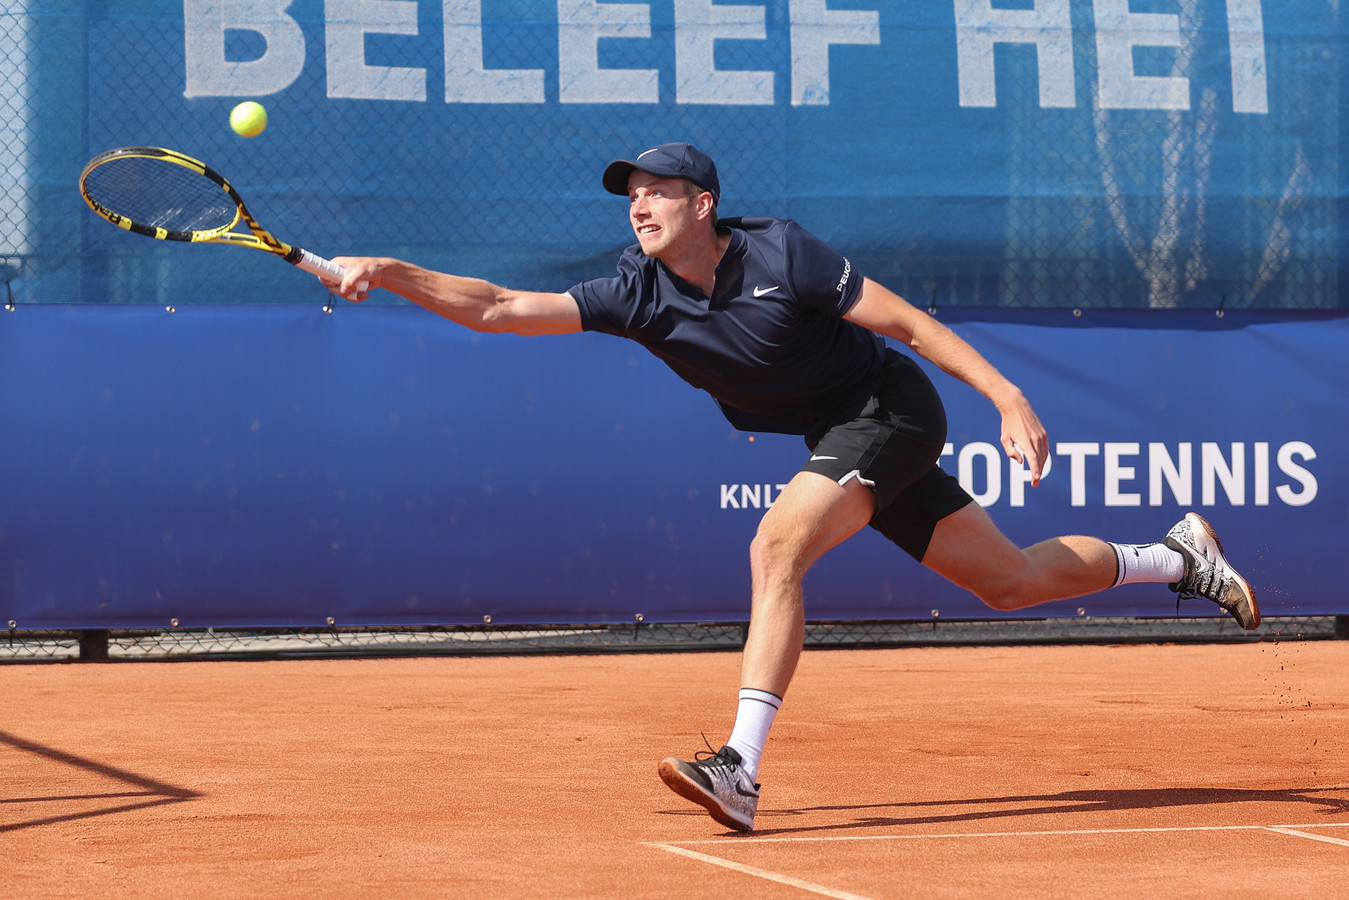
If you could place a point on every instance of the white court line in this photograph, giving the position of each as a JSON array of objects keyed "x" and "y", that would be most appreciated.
[
  {"x": 996, "y": 834},
  {"x": 761, "y": 873},
  {"x": 680, "y": 847},
  {"x": 1284, "y": 829}
]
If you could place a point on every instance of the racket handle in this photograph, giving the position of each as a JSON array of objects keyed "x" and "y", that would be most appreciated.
[
  {"x": 317, "y": 265},
  {"x": 325, "y": 268}
]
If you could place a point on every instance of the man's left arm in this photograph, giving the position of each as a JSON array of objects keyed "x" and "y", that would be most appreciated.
[{"x": 885, "y": 312}]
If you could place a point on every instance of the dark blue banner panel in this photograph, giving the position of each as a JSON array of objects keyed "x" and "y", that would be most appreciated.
[
  {"x": 992, "y": 153},
  {"x": 273, "y": 466}
]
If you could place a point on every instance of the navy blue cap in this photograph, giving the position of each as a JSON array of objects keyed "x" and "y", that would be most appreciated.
[{"x": 666, "y": 161}]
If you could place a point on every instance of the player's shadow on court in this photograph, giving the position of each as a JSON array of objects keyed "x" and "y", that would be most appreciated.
[
  {"x": 982, "y": 809},
  {"x": 128, "y": 790}
]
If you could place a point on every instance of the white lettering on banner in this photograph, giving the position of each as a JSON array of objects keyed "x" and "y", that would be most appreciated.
[
  {"x": 349, "y": 78},
  {"x": 1260, "y": 471},
  {"x": 1246, "y": 44},
  {"x": 979, "y": 27},
  {"x": 1019, "y": 477},
  {"x": 698, "y": 79},
  {"x": 210, "y": 74},
  {"x": 1077, "y": 454},
  {"x": 1173, "y": 473},
  {"x": 1303, "y": 477},
  {"x": 580, "y": 25},
  {"x": 992, "y": 471},
  {"x": 466, "y": 79},
  {"x": 1118, "y": 32},
  {"x": 1220, "y": 466},
  {"x": 812, "y": 29},
  {"x": 1047, "y": 25},
  {"x": 750, "y": 496},
  {"x": 1116, "y": 473},
  {"x": 1215, "y": 468},
  {"x": 1224, "y": 475}
]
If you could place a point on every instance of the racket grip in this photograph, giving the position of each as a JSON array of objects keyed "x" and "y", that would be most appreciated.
[
  {"x": 325, "y": 268},
  {"x": 317, "y": 265}
]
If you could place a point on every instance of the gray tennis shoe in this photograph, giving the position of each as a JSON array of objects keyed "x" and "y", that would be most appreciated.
[
  {"x": 1207, "y": 572},
  {"x": 718, "y": 783}
]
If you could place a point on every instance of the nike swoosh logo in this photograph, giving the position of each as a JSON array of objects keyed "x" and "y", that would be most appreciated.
[
  {"x": 645, "y": 152},
  {"x": 813, "y": 458},
  {"x": 759, "y": 292}
]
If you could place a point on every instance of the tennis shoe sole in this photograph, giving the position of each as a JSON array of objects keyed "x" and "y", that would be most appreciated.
[{"x": 690, "y": 782}]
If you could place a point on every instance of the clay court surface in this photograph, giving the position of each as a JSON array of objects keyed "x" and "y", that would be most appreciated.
[{"x": 1045, "y": 771}]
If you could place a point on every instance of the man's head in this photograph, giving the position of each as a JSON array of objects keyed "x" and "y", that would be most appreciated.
[
  {"x": 672, "y": 193},
  {"x": 666, "y": 161}
]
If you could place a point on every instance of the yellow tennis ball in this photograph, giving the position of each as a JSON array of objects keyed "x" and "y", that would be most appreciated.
[{"x": 248, "y": 118}]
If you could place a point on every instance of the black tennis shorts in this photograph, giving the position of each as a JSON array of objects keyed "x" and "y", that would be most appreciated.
[{"x": 891, "y": 441}]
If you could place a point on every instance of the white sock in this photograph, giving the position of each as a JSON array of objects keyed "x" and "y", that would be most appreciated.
[
  {"x": 754, "y": 715},
  {"x": 1147, "y": 563}
]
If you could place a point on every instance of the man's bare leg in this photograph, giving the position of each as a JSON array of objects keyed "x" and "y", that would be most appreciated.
[
  {"x": 812, "y": 515},
  {"x": 969, "y": 550}
]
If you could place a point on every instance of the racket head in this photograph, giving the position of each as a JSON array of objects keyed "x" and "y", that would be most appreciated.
[{"x": 160, "y": 193}]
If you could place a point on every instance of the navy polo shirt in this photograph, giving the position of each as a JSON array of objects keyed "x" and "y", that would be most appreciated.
[{"x": 770, "y": 345}]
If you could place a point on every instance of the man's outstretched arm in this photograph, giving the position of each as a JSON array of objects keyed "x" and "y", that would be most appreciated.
[{"x": 471, "y": 302}]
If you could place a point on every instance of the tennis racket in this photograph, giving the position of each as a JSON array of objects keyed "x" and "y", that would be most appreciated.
[{"x": 170, "y": 196}]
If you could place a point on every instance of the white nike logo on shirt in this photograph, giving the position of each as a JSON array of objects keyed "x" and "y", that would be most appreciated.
[
  {"x": 760, "y": 291},
  {"x": 813, "y": 458}
]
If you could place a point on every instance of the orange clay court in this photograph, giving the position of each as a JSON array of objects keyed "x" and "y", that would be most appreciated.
[{"x": 1033, "y": 771}]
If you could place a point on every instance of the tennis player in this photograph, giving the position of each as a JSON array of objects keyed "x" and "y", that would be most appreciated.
[{"x": 787, "y": 337}]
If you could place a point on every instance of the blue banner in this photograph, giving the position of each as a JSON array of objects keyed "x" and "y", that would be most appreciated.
[
  {"x": 1102, "y": 153},
  {"x": 280, "y": 466}
]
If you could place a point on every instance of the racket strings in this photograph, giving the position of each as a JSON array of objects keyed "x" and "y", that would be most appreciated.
[{"x": 161, "y": 194}]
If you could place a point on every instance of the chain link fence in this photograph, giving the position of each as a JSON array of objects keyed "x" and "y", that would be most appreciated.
[
  {"x": 1220, "y": 201},
  {"x": 376, "y": 146},
  {"x": 637, "y": 637}
]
